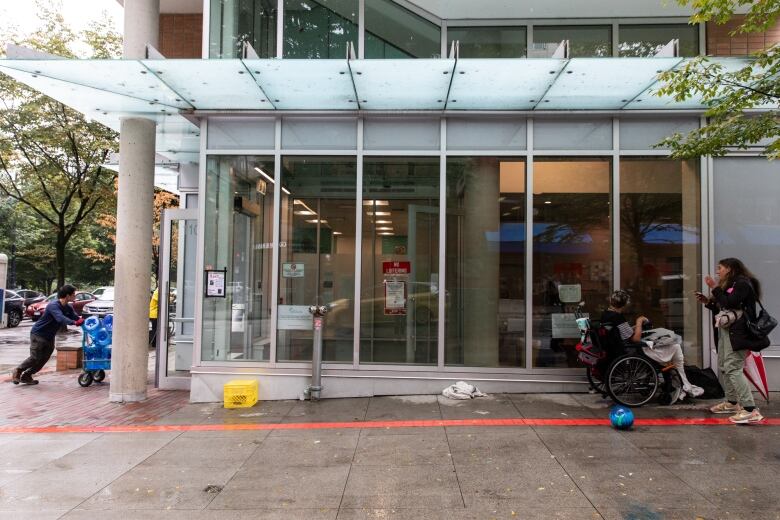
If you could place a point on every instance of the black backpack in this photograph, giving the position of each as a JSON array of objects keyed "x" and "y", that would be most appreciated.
[{"x": 706, "y": 379}]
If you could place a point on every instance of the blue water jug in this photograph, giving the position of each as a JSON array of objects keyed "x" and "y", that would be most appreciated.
[
  {"x": 102, "y": 337},
  {"x": 108, "y": 323},
  {"x": 91, "y": 325}
]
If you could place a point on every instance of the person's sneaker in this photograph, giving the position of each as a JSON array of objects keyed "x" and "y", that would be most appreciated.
[
  {"x": 745, "y": 417},
  {"x": 28, "y": 380},
  {"x": 15, "y": 375},
  {"x": 725, "y": 407}
]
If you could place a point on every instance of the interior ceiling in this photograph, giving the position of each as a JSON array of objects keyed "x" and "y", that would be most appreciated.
[{"x": 490, "y": 9}]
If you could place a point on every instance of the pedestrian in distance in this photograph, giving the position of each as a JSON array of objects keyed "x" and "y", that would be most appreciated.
[
  {"x": 58, "y": 313},
  {"x": 734, "y": 293},
  {"x": 154, "y": 305}
]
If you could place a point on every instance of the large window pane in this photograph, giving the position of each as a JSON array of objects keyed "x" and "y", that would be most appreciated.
[
  {"x": 572, "y": 252},
  {"x": 660, "y": 245},
  {"x": 485, "y": 262},
  {"x": 399, "y": 311},
  {"x": 394, "y": 32},
  {"x": 234, "y": 22},
  {"x": 488, "y": 42},
  {"x": 646, "y": 40},
  {"x": 239, "y": 217},
  {"x": 584, "y": 40},
  {"x": 317, "y": 256},
  {"x": 319, "y": 29}
]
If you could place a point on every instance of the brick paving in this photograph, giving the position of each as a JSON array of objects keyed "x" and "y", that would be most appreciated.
[{"x": 59, "y": 401}]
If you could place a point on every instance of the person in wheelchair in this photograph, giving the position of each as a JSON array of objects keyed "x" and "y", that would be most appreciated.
[{"x": 660, "y": 345}]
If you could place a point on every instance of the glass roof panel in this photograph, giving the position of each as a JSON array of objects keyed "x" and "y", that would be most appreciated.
[
  {"x": 126, "y": 77},
  {"x": 305, "y": 84},
  {"x": 96, "y": 104},
  {"x": 647, "y": 100},
  {"x": 211, "y": 84},
  {"x": 402, "y": 84},
  {"x": 603, "y": 83},
  {"x": 501, "y": 84}
]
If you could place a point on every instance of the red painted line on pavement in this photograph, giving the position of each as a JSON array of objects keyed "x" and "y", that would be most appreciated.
[{"x": 130, "y": 428}]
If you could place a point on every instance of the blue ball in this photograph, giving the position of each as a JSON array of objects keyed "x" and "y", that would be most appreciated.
[{"x": 621, "y": 417}]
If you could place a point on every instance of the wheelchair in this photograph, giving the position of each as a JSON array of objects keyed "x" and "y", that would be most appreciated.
[{"x": 624, "y": 373}]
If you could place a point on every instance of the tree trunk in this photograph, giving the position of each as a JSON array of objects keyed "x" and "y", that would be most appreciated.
[{"x": 61, "y": 243}]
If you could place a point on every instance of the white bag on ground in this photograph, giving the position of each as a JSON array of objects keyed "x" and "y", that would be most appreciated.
[{"x": 462, "y": 390}]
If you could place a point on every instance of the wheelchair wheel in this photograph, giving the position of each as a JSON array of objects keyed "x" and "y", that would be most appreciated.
[
  {"x": 595, "y": 380},
  {"x": 632, "y": 381},
  {"x": 85, "y": 379},
  {"x": 99, "y": 376}
]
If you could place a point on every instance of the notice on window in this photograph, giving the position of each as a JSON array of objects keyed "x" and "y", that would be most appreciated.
[
  {"x": 215, "y": 284},
  {"x": 395, "y": 298},
  {"x": 570, "y": 293},
  {"x": 564, "y": 325},
  {"x": 292, "y": 270},
  {"x": 294, "y": 317}
]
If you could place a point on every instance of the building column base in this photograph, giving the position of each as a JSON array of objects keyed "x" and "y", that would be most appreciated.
[{"x": 129, "y": 397}]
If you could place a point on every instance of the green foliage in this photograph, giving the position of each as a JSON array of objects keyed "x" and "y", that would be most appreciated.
[
  {"x": 741, "y": 104},
  {"x": 51, "y": 157}
]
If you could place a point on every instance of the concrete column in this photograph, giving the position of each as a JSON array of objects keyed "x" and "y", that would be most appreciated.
[
  {"x": 129, "y": 365},
  {"x": 142, "y": 26},
  {"x": 132, "y": 278},
  {"x": 481, "y": 268}
]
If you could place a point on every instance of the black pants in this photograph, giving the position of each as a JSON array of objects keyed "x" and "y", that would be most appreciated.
[
  {"x": 153, "y": 332},
  {"x": 41, "y": 350}
]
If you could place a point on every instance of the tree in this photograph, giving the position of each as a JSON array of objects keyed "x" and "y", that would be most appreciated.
[
  {"x": 51, "y": 157},
  {"x": 741, "y": 104}
]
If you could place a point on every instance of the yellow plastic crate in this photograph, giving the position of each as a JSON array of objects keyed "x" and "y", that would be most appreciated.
[{"x": 240, "y": 393}]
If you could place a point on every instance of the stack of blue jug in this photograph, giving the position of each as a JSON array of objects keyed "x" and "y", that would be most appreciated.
[{"x": 97, "y": 340}]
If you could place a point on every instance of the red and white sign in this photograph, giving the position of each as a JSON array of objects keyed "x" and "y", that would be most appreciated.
[{"x": 396, "y": 275}]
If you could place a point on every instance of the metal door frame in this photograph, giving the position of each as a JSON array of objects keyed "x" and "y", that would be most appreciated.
[{"x": 162, "y": 379}]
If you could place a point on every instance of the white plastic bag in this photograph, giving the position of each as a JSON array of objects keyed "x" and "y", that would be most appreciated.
[{"x": 462, "y": 390}]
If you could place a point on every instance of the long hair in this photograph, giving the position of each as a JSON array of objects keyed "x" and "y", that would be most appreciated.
[{"x": 736, "y": 270}]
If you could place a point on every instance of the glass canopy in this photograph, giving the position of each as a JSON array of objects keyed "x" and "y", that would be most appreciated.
[{"x": 169, "y": 90}]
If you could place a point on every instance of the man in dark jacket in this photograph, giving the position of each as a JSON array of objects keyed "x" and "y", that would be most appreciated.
[{"x": 57, "y": 314}]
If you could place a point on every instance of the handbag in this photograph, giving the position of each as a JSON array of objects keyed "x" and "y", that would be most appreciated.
[{"x": 763, "y": 324}]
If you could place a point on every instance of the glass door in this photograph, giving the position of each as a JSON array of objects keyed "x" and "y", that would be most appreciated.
[{"x": 176, "y": 297}]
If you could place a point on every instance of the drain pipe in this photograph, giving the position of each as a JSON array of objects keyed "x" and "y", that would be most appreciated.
[{"x": 318, "y": 313}]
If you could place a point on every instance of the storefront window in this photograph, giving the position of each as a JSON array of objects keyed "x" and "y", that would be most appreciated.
[
  {"x": 660, "y": 246},
  {"x": 317, "y": 256},
  {"x": 485, "y": 296},
  {"x": 584, "y": 40},
  {"x": 646, "y": 40},
  {"x": 399, "y": 311},
  {"x": 238, "y": 229},
  {"x": 320, "y": 29},
  {"x": 488, "y": 42},
  {"x": 394, "y": 32},
  {"x": 572, "y": 252},
  {"x": 234, "y": 22}
]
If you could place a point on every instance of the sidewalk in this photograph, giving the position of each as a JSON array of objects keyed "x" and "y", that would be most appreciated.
[{"x": 369, "y": 465}]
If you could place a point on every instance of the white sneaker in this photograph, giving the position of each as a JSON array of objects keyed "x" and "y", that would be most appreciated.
[
  {"x": 725, "y": 407},
  {"x": 745, "y": 417}
]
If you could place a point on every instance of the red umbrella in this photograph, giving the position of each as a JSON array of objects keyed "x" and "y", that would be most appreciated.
[{"x": 756, "y": 373}]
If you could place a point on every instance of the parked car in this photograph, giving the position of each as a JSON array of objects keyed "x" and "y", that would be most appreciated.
[
  {"x": 30, "y": 296},
  {"x": 102, "y": 305},
  {"x": 97, "y": 293},
  {"x": 14, "y": 307},
  {"x": 35, "y": 311}
]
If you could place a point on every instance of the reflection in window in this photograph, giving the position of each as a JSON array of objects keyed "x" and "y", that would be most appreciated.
[
  {"x": 488, "y": 42},
  {"x": 572, "y": 252},
  {"x": 234, "y": 22},
  {"x": 647, "y": 40},
  {"x": 317, "y": 256},
  {"x": 239, "y": 220},
  {"x": 320, "y": 29},
  {"x": 394, "y": 32},
  {"x": 485, "y": 296},
  {"x": 399, "y": 306},
  {"x": 660, "y": 244},
  {"x": 584, "y": 40}
]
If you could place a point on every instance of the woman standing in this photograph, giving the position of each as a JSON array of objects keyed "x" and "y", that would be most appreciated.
[{"x": 736, "y": 290}]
